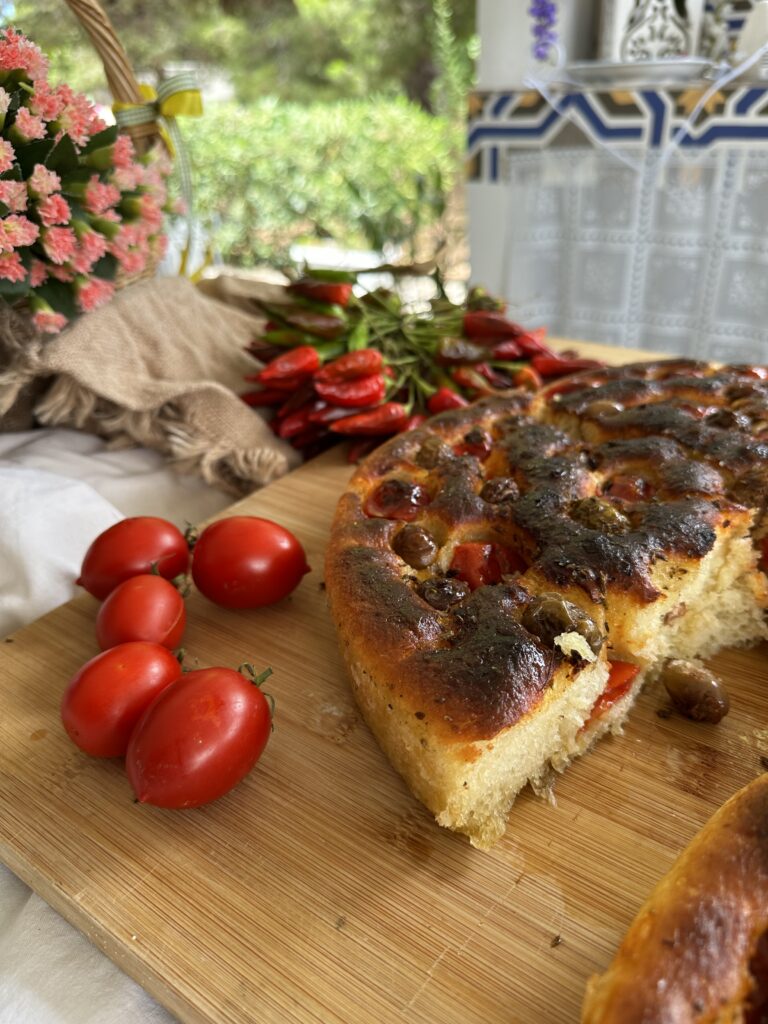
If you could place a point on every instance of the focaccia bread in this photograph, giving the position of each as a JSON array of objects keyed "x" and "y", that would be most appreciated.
[
  {"x": 504, "y": 577},
  {"x": 697, "y": 952}
]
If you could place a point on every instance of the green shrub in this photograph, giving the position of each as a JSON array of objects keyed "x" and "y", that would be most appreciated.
[{"x": 360, "y": 172}]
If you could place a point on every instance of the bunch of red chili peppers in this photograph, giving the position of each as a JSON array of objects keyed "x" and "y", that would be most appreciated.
[{"x": 339, "y": 365}]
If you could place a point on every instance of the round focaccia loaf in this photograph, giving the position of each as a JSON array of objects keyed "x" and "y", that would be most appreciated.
[
  {"x": 486, "y": 570},
  {"x": 697, "y": 952}
]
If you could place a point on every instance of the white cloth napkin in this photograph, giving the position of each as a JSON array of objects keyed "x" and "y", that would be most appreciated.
[{"x": 58, "y": 490}]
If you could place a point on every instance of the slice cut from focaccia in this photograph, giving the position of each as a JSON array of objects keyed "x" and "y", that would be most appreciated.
[
  {"x": 698, "y": 949},
  {"x": 504, "y": 577}
]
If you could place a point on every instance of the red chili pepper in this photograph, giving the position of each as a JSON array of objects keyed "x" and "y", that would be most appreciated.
[
  {"x": 267, "y": 396},
  {"x": 388, "y": 418},
  {"x": 497, "y": 379},
  {"x": 489, "y": 324},
  {"x": 326, "y": 413},
  {"x": 352, "y": 365},
  {"x": 321, "y": 325},
  {"x": 362, "y": 392},
  {"x": 532, "y": 342},
  {"x": 468, "y": 377},
  {"x": 296, "y": 423},
  {"x": 555, "y": 366},
  {"x": 286, "y": 385},
  {"x": 507, "y": 349},
  {"x": 297, "y": 362},
  {"x": 302, "y": 394},
  {"x": 337, "y": 292},
  {"x": 445, "y": 398}
]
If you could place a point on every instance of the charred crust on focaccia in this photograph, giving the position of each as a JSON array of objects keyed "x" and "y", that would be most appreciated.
[
  {"x": 492, "y": 674},
  {"x": 696, "y": 950},
  {"x": 552, "y": 471}
]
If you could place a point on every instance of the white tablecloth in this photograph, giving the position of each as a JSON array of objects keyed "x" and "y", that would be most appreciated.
[{"x": 58, "y": 490}]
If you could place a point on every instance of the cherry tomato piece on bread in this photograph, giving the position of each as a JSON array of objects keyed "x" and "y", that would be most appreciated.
[
  {"x": 108, "y": 695},
  {"x": 198, "y": 739},
  {"x": 247, "y": 562},
  {"x": 129, "y": 548},
  {"x": 145, "y": 607}
]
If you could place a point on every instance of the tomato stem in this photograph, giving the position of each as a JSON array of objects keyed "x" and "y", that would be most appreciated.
[{"x": 247, "y": 669}]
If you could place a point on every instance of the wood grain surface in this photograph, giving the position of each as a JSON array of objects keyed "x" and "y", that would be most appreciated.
[{"x": 319, "y": 890}]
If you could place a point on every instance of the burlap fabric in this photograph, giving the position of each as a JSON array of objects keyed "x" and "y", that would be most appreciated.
[{"x": 160, "y": 366}]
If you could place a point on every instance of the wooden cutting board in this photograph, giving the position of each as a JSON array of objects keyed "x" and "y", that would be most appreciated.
[{"x": 319, "y": 890}]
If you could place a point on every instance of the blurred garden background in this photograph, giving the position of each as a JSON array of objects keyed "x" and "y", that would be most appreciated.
[{"x": 330, "y": 123}]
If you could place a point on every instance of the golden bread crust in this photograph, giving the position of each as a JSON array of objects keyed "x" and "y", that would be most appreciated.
[{"x": 689, "y": 955}]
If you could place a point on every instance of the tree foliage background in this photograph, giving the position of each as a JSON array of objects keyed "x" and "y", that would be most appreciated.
[{"x": 284, "y": 158}]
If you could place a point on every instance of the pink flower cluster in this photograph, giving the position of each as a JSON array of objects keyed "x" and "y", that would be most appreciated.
[{"x": 66, "y": 233}]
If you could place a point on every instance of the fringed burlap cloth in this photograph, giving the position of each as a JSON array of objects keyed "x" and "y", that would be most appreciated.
[{"x": 159, "y": 366}]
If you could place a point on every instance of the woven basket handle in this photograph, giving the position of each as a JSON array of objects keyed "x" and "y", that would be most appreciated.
[{"x": 117, "y": 67}]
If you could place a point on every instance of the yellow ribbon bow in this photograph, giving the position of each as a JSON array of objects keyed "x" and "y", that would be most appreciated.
[{"x": 176, "y": 97}]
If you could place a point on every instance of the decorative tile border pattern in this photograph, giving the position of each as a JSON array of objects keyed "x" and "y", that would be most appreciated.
[{"x": 627, "y": 119}]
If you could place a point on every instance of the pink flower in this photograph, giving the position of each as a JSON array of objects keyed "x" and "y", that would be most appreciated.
[
  {"x": 5, "y": 99},
  {"x": 17, "y": 53},
  {"x": 7, "y": 156},
  {"x": 91, "y": 246},
  {"x": 16, "y": 232},
  {"x": 65, "y": 274},
  {"x": 42, "y": 182},
  {"x": 123, "y": 152},
  {"x": 77, "y": 117},
  {"x": 11, "y": 267},
  {"x": 127, "y": 179},
  {"x": 49, "y": 322},
  {"x": 59, "y": 244},
  {"x": 14, "y": 195},
  {"x": 93, "y": 292},
  {"x": 151, "y": 213},
  {"x": 28, "y": 126},
  {"x": 100, "y": 196},
  {"x": 37, "y": 273},
  {"x": 54, "y": 210},
  {"x": 45, "y": 102},
  {"x": 131, "y": 249}
]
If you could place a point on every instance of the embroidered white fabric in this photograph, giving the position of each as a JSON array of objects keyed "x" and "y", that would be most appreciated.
[{"x": 671, "y": 258}]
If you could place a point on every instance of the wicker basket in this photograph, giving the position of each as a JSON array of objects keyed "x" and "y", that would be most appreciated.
[{"x": 117, "y": 68}]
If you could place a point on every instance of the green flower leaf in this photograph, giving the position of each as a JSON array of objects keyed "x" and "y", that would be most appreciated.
[
  {"x": 63, "y": 157},
  {"x": 106, "y": 267},
  {"x": 33, "y": 153},
  {"x": 9, "y": 289},
  {"x": 103, "y": 138},
  {"x": 59, "y": 297}
]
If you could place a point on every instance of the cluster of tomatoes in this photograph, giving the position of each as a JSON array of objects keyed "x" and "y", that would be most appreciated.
[{"x": 187, "y": 737}]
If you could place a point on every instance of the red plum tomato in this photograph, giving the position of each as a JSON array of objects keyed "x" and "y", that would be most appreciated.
[
  {"x": 247, "y": 562},
  {"x": 108, "y": 695},
  {"x": 129, "y": 548},
  {"x": 145, "y": 607},
  {"x": 198, "y": 739}
]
